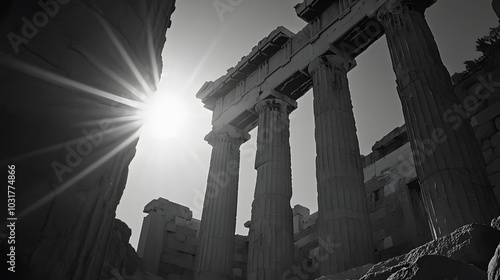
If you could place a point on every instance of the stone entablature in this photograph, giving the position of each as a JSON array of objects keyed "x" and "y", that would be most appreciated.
[
  {"x": 286, "y": 70},
  {"x": 212, "y": 93}
]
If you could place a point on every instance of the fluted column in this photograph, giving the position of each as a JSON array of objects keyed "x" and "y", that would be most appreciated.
[
  {"x": 449, "y": 163},
  {"x": 215, "y": 252},
  {"x": 271, "y": 228},
  {"x": 343, "y": 218}
]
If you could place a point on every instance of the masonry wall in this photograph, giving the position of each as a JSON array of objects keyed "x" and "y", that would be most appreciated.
[
  {"x": 479, "y": 94},
  {"x": 169, "y": 240},
  {"x": 398, "y": 218},
  {"x": 71, "y": 149}
]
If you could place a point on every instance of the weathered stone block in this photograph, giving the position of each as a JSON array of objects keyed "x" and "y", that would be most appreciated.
[
  {"x": 180, "y": 221},
  {"x": 388, "y": 242},
  {"x": 179, "y": 259},
  {"x": 438, "y": 267},
  {"x": 186, "y": 231},
  {"x": 488, "y": 155},
  {"x": 494, "y": 265},
  {"x": 495, "y": 140},
  {"x": 485, "y": 130},
  {"x": 486, "y": 145},
  {"x": 495, "y": 223},
  {"x": 490, "y": 113},
  {"x": 180, "y": 237},
  {"x": 493, "y": 166},
  {"x": 379, "y": 235},
  {"x": 494, "y": 179},
  {"x": 379, "y": 214},
  {"x": 171, "y": 227}
]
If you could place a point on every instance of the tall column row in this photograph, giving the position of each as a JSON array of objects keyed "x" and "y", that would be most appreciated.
[
  {"x": 449, "y": 163},
  {"x": 343, "y": 217},
  {"x": 271, "y": 229}
]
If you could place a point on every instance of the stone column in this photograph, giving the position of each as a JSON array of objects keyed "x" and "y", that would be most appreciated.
[
  {"x": 343, "y": 218},
  {"x": 215, "y": 252},
  {"x": 449, "y": 163},
  {"x": 271, "y": 229}
]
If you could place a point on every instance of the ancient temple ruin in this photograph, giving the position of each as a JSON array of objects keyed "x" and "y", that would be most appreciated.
[
  {"x": 372, "y": 209},
  {"x": 263, "y": 89}
]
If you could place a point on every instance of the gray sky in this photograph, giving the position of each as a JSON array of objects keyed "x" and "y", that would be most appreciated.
[{"x": 202, "y": 44}]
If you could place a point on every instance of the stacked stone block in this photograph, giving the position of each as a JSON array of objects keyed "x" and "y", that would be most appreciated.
[
  {"x": 479, "y": 93},
  {"x": 169, "y": 240}
]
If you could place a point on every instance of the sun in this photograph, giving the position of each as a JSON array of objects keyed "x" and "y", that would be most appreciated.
[{"x": 164, "y": 116}]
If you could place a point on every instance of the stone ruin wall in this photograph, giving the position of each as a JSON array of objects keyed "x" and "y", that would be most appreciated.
[
  {"x": 56, "y": 132},
  {"x": 479, "y": 92}
]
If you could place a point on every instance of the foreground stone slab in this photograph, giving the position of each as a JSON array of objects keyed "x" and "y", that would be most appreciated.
[
  {"x": 474, "y": 244},
  {"x": 438, "y": 267},
  {"x": 494, "y": 265}
]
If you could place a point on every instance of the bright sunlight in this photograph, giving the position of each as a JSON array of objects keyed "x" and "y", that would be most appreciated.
[{"x": 164, "y": 116}]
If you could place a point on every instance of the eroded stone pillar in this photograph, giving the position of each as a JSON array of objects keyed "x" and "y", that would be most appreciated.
[
  {"x": 271, "y": 229},
  {"x": 449, "y": 163},
  {"x": 215, "y": 252},
  {"x": 343, "y": 218}
]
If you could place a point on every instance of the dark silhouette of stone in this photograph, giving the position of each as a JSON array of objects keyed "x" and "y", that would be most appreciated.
[
  {"x": 120, "y": 255},
  {"x": 71, "y": 154}
]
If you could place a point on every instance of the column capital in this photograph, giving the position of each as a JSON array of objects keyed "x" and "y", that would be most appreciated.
[
  {"x": 334, "y": 61},
  {"x": 394, "y": 7},
  {"x": 228, "y": 133},
  {"x": 276, "y": 104}
]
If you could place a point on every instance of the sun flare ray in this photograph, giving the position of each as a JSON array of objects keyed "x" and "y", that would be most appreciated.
[
  {"x": 63, "y": 81},
  {"x": 73, "y": 180},
  {"x": 126, "y": 57}
]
